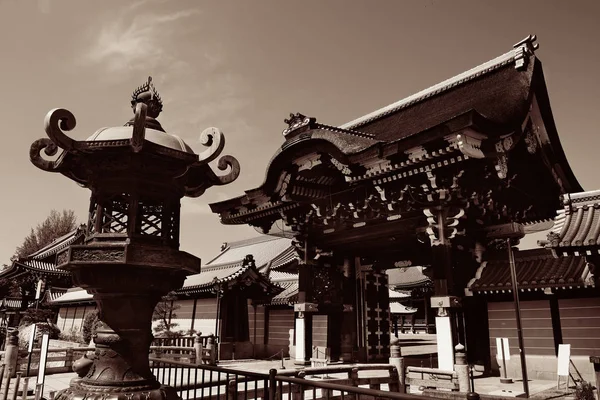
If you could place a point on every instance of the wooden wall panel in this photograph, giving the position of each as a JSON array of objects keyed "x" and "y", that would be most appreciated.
[
  {"x": 62, "y": 318},
  {"x": 580, "y": 323},
  {"x": 280, "y": 323},
  {"x": 183, "y": 315},
  {"x": 538, "y": 336},
  {"x": 319, "y": 330},
  {"x": 260, "y": 324},
  {"x": 206, "y": 315}
]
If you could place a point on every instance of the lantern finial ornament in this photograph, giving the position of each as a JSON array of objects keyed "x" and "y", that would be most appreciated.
[{"x": 147, "y": 94}]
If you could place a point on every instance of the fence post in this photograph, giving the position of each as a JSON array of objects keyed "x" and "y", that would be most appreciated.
[
  {"x": 69, "y": 360},
  {"x": 461, "y": 368},
  {"x": 272, "y": 392},
  {"x": 11, "y": 356},
  {"x": 17, "y": 382},
  {"x": 198, "y": 349},
  {"x": 394, "y": 380},
  {"x": 298, "y": 390},
  {"x": 398, "y": 362},
  {"x": 6, "y": 385},
  {"x": 25, "y": 390},
  {"x": 211, "y": 350},
  {"x": 2, "y": 367},
  {"x": 38, "y": 391},
  {"x": 232, "y": 390}
]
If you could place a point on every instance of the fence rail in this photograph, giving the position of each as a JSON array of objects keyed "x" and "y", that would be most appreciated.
[{"x": 217, "y": 383}]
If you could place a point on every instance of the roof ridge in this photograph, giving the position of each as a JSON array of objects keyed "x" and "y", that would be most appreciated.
[
  {"x": 64, "y": 238},
  {"x": 216, "y": 267},
  {"x": 582, "y": 198},
  {"x": 347, "y": 131},
  {"x": 252, "y": 240},
  {"x": 438, "y": 88}
]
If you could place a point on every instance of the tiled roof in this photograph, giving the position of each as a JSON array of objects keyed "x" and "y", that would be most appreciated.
[
  {"x": 577, "y": 226},
  {"x": 262, "y": 248},
  {"x": 286, "y": 258},
  {"x": 74, "y": 295},
  {"x": 209, "y": 276},
  {"x": 492, "y": 88},
  {"x": 406, "y": 278},
  {"x": 37, "y": 261},
  {"x": 229, "y": 264},
  {"x": 41, "y": 266},
  {"x": 289, "y": 294},
  {"x": 536, "y": 269},
  {"x": 58, "y": 244},
  {"x": 397, "y": 308},
  {"x": 400, "y": 294},
  {"x": 54, "y": 293},
  {"x": 9, "y": 303}
]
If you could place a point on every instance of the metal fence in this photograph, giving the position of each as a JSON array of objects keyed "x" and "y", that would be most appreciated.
[{"x": 207, "y": 382}]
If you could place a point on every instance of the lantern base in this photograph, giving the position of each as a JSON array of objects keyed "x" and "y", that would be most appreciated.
[{"x": 79, "y": 390}]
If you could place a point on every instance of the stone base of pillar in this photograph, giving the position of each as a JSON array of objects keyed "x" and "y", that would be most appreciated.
[
  {"x": 445, "y": 346},
  {"x": 300, "y": 356}
]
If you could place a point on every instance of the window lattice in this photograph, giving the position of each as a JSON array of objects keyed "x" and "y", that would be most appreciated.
[
  {"x": 114, "y": 215},
  {"x": 150, "y": 218}
]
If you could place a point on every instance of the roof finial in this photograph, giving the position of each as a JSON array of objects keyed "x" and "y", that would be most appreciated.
[
  {"x": 523, "y": 50},
  {"x": 147, "y": 94},
  {"x": 296, "y": 121}
]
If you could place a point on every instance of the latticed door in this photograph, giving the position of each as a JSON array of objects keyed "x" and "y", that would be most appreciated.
[{"x": 377, "y": 322}]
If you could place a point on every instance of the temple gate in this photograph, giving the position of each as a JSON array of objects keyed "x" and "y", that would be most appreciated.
[{"x": 421, "y": 182}]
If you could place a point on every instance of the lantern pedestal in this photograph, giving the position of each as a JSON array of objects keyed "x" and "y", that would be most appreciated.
[{"x": 126, "y": 296}]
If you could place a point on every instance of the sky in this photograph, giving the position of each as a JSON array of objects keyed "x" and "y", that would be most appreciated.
[{"x": 243, "y": 66}]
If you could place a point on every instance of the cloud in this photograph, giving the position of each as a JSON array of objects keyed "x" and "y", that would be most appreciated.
[
  {"x": 198, "y": 87},
  {"x": 138, "y": 40}
]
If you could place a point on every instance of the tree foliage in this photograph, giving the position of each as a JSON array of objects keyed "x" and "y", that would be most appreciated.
[
  {"x": 56, "y": 225},
  {"x": 164, "y": 312},
  {"x": 33, "y": 316},
  {"x": 91, "y": 321}
]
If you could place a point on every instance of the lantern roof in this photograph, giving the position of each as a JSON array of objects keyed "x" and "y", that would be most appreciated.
[{"x": 121, "y": 151}]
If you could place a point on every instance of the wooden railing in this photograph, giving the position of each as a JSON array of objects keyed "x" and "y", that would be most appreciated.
[
  {"x": 64, "y": 357},
  {"x": 60, "y": 360},
  {"x": 431, "y": 378},
  {"x": 183, "y": 341}
]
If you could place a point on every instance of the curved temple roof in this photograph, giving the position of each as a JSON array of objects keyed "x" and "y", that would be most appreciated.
[
  {"x": 499, "y": 97},
  {"x": 577, "y": 226}
]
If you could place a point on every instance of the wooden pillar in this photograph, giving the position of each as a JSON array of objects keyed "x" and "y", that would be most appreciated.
[
  {"x": 347, "y": 320},
  {"x": 303, "y": 319},
  {"x": 556, "y": 325},
  {"x": 441, "y": 263}
]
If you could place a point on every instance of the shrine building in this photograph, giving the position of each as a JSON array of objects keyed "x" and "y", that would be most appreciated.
[{"x": 430, "y": 181}]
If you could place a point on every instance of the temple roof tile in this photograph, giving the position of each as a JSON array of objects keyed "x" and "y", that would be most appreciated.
[{"x": 536, "y": 269}]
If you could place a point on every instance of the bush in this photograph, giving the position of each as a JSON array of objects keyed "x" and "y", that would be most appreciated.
[
  {"x": 42, "y": 328},
  {"x": 584, "y": 391},
  {"x": 74, "y": 335},
  {"x": 90, "y": 324},
  {"x": 32, "y": 316},
  {"x": 51, "y": 329}
]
